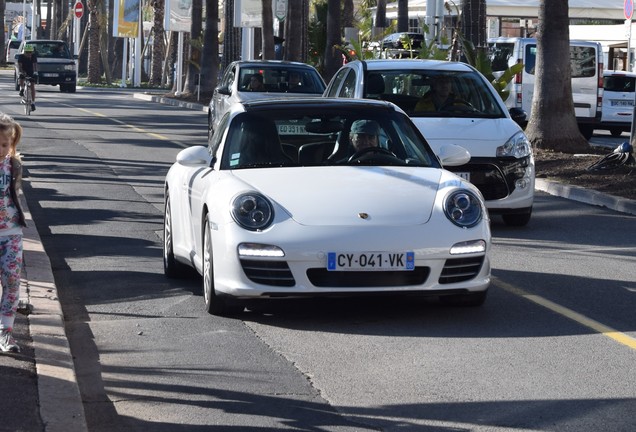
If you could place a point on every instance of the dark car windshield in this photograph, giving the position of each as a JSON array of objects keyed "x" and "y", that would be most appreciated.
[
  {"x": 51, "y": 49},
  {"x": 318, "y": 137},
  {"x": 282, "y": 80},
  {"x": 413, "y": 91}
]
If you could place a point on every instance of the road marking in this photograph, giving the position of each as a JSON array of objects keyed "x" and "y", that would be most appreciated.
[
  {"x": 609, "y": 332},
  {"x": 135, "y": 128}
]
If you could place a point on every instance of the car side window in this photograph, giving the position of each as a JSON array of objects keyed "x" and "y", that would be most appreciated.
[
  {"x": 217, "y": 138},
  {"x": 348, "y": 89},
  {"x": 336, "y": 83}
]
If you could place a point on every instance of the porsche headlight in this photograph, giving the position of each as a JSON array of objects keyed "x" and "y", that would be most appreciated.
[
  {"x": 252, "y": 211},
  {"x": 463, "y": 208},
  {"x": 517, "y": 146}
]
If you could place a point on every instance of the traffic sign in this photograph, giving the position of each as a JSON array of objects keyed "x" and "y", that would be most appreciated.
[
  {"x": 628, "y": 8},
  {"x": 79, "y": 9}
]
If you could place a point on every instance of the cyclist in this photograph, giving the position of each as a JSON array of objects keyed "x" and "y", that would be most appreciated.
[{"x": 28, "y": 67}]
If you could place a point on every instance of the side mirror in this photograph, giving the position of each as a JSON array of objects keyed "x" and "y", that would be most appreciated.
[
  {"x": 194, "y": 156},
  {"x": 224, "y": 90},
  {"x": 453, "y": 155},
  {"x": 519, "y": 116}
]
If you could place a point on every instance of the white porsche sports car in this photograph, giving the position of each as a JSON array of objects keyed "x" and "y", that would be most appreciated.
[{"x": 285, "y": 202}]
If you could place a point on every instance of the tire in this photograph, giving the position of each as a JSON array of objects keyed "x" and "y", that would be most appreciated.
[
  {"x": 214, "y": 304},
  {"x": 517, "y": 219},
  {"x": 465, "y": 300},
  {"x": 171, "y": 267},
  {"x": 616, "y": 132}
]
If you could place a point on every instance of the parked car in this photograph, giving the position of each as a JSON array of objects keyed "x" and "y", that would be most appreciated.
[
  {"x": 403, "y": 44},
  {"x": 280, "y": 205},
  {"x": 56, "y": 64},
  {"x": 501, "y": 165},
  {"x": 276, "y": 76},
  {"x": 12, "y": 48},
  {"x": 586, "y": 66},
  {"x": 618, "y": 102}
]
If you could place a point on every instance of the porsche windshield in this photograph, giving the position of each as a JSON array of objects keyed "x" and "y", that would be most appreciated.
[{"x": 319, "y": 137}]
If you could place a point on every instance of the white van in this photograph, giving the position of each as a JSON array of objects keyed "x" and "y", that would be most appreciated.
[{"x": 586, "y": 61}]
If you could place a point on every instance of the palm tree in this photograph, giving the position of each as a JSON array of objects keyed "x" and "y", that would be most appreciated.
[
  {"x": 210, "y": 56},
  {"x": 552, "y": 124},
  {"x": 473, "y": 22},
  {"x": 94, "y": 72},
  {"x": 403, "y": 16},
  {"x": 333, "y": 58},
  {"x": 158, "y": 45},
  {"x": 267, "y": 40}
]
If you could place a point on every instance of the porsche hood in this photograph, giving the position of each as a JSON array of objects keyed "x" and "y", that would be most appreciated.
[{"x": 344, "y": 195}]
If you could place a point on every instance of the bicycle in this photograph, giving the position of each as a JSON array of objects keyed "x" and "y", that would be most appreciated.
[{"x": 27, "y": 99}]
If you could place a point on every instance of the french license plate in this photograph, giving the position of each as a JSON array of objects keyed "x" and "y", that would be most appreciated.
[
  {"x": 291, "y": 129},
  {"x": 370, "y": 261},
  {"x": 622, "y": 103},
  {"x": 464, "y": 175}
]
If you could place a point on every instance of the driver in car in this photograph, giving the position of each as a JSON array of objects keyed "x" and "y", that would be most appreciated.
[
  {"x": 364, "y": 134},
  {"x": 439, "y": 97}
]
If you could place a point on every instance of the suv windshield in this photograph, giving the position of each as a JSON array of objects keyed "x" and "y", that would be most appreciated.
[
  {"x": 428, "y": 93},
  {"x": 51, "y": 49}
]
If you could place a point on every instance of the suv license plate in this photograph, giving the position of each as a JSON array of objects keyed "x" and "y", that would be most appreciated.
[
  {"x": 370, "y": 261},
  {"x": 50, "y": 75}
]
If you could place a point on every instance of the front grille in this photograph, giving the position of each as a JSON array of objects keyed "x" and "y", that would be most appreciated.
[
  {"x": 274, "y": 273},
  {"x": 357, "y": 279},
  {"x": 460, "y": 269},
  {"x": 494, "y": 180}
]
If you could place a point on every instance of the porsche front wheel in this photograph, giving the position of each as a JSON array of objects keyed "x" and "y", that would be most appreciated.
[
  {"x": 214, "y": 304},
  {"x": 171, "y": 267}
]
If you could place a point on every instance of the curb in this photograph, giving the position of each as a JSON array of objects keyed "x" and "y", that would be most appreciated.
[
  {"x": 586, "y": 196},
  {"x": 169, "y": 101},
  {"x": 60, "y": 402}
]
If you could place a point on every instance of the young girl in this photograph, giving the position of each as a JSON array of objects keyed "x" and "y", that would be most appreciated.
[{"x": 11, "y": 223}]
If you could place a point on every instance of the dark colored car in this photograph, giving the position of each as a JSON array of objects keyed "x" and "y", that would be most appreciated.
[
  {"x": 56, "y": 64},
  {"x": 280, "y": 79},
  {"x": 398, "y": 44}
]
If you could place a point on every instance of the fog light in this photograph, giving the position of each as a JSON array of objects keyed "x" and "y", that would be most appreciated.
[{"x": 522, "y": 183}]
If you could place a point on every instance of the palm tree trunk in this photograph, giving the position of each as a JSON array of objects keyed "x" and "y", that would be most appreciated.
[{"x": 552, "y": 123}]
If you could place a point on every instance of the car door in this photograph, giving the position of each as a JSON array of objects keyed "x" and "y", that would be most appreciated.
[{"x": 220, "y": 101}]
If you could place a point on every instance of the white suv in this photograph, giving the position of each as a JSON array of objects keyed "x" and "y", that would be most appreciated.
[
  {"x": 501, "y": 164},
  {"x": 618, "y": 102}
]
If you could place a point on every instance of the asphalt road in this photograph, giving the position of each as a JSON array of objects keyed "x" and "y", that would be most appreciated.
[{"x": 552, "y": 349}]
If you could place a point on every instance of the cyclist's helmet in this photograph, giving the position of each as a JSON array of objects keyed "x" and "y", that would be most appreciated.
[{"x": 29, "y": 48}]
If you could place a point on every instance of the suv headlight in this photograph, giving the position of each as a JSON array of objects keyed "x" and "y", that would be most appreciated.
[
  {"x": 252, "y": 211},
  {"x": 517, "y": 146},
  {"x": 70, "y": 67},
  {"x": 463, "y": 208}
]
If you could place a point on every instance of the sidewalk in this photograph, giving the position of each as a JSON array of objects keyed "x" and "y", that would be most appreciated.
[{"x": 41, "y": 379}]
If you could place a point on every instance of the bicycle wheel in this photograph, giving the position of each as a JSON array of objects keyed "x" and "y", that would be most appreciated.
[{"x": 27, "y": 99}]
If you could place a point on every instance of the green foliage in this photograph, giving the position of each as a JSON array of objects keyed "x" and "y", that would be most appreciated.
[
  {"x": 317, "y": 35},
  {"x": 478, "y": 58}
]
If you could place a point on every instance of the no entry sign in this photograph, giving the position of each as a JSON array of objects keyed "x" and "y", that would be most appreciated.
[{"x": 79, "y": 9}]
